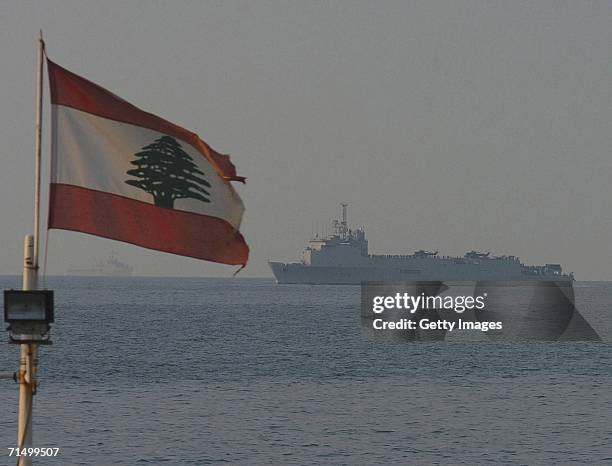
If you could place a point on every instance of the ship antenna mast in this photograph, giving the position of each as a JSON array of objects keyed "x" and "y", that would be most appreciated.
[{"x": 344, "y": 224}]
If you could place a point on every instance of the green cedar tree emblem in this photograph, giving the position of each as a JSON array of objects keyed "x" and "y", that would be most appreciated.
[{"x": 167, "y": 172}]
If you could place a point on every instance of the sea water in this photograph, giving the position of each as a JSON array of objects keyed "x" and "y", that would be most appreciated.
[{"x": 243, "y": 371}]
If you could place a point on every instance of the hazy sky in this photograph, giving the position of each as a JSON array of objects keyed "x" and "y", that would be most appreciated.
[{"x": 450, "y": 125}]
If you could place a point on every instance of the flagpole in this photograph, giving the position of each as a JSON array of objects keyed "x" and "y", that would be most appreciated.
[
  {"x": 38, "y": 149},
  {"x": 29, "y": 351}
]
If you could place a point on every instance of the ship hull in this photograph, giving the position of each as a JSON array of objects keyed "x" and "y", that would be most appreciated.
[{"x": 313, "y": 275}]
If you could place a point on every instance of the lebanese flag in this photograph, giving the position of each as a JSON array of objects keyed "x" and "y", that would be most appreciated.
[{"x": 125, "y": 174}]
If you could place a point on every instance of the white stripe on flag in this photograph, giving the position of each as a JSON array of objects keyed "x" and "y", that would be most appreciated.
[{"x": 95, "y": 153}]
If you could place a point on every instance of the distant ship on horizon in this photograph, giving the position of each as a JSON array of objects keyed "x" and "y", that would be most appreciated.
[
  {"x": 109, "y": 267},
  {"x": 342, "y": 258}
]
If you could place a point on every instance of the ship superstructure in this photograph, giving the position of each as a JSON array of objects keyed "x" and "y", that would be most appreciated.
[{"x": 343, "y": 258}]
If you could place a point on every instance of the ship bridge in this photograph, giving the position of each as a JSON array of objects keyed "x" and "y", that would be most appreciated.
[{"x": 344, "y": 246}]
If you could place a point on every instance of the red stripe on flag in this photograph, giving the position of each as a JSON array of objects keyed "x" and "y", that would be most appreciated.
[
  {"x": 76, "y": 92},
  {"x": 122, "y": 219}
]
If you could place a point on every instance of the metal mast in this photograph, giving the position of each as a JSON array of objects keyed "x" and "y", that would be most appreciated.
[{"x": 344, "y": 224}]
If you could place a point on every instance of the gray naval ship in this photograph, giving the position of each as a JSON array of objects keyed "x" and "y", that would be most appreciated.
[
  {"x": 343, "y": 259},
  {"x": 111, "y": 267}
]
